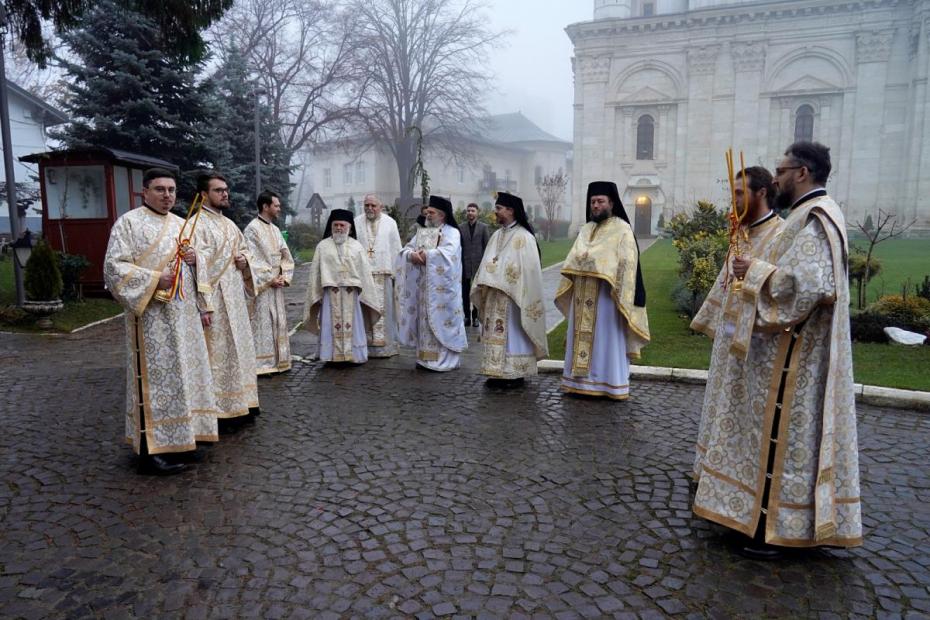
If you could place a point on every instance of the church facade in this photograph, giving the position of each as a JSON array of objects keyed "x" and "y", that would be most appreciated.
[{"x": 664, "y": 87}]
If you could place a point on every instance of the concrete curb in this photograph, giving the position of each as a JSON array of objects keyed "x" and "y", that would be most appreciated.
[{"x": 869, "y": 394}]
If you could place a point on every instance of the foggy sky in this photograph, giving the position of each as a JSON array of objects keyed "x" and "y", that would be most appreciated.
[{"x": 533, "y": 72}]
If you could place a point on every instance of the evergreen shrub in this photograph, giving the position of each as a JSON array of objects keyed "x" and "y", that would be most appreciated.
[
  {"x": 71, "y": 267},
  {"x": 42, "y": 278}
]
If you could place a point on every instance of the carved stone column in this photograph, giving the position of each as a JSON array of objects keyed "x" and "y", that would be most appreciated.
[
  {"x": 702, "y": 64},
  {"x": 591, "y": 75},
  {"x": 748, "y": 64},
  {"x": 873, "y": 48}
]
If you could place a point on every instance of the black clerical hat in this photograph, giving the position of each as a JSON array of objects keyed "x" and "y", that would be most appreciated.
[
  {"x": 443, "y": 204},
  {"x": 340, "y": 215},
  {"x": 505, "y": 199}
]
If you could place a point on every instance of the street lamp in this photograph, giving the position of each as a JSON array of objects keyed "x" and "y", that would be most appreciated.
[
  {"x": 258, "y": 92},
  {"x": 15, "y": 227},
  {"x": 22, "y": 249}
]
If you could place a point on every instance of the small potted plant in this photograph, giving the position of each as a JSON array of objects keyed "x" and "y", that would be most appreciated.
[{"x": 43, "y": 284}]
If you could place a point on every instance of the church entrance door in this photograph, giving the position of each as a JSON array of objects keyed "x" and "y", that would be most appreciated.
[{"x": 643, "y": 222}]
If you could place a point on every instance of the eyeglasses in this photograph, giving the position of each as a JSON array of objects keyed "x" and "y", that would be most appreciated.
[
  {"x": 220, "y": 190},
  {"x": 163, "y": 190},
  {"x": 370, "y": 204},
  {"x": 781, "y": 171}
]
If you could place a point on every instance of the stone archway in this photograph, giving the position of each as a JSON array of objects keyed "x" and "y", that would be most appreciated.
[{"x": 642, "y": 219}]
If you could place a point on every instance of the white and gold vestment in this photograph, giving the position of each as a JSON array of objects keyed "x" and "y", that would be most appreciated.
[
  {"x": 269, "y": 257},
  {"x": 168, "y": 378},
  {"x": 507, "y": 290}
]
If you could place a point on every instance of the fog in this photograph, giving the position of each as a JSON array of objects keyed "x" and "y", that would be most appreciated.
[{"x": 532, "y": 66}]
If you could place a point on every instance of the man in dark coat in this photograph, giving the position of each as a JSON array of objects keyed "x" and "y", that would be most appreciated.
[{"x": 475, "y": 235}]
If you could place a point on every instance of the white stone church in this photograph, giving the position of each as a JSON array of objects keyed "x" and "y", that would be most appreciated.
[{"x": 664, "y": 87}]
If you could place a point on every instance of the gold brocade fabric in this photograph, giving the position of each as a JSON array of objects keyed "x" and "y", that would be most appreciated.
[
  {"x": 335, "y": 268},
  {"x": 724, "y": 306},
  {"x": 606, "y": 251},
  {"x": 342, "y": 308},
  {"x": 377, "y": 336},
  {"x": 166, "y": 356},
  {"x": 511, "y": 266},
  {"x": 229, "y": 337},
  {"x": 799, "y": 365},
  {"x": 585, "y": 302},
  {"x": 726, "y": 316},
  {"x": 269, "y": 257},
  {"x": 495, "y": 361}
]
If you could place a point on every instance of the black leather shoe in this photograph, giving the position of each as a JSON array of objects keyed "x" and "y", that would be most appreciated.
[
  {"x": 157, "y": 465},
  {"x": 255, "y": 411}
]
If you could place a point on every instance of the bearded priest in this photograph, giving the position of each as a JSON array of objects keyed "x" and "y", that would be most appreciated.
[
  {"x": 341, "y": 304},
  {"x": 603, "y": 298},
  {"x": 507, "y": 290},
  {"x": 429, "y": 273},
  {"x": 377, "y": 232}
]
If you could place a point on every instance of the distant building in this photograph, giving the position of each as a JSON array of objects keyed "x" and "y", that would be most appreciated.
[
  {"x": 664, "y": 87},
  {"x": 512, "y": 154},
  {"x": 30, "y": 117}
]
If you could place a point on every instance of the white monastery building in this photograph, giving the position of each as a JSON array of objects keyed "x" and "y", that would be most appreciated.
[
  {"x": 512, "y": 154},
  {"x": 664, "y": 87}
]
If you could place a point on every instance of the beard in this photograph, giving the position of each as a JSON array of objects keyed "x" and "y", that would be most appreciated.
[
  {"x": 431, "y": 223},
  {"x": 340, "y": 238},
  {"x": 371, "y": 216},
  {"x": 783, "y": 200},
  {"x": 600, "y": 217}
]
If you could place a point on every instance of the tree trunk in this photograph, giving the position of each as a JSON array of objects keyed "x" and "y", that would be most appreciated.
[
  {"x": 406, "y": 159},
  {"x": 863, "y": 291}
]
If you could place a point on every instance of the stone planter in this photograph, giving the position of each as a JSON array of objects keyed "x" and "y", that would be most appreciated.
[{"x": 42, "y": 310}]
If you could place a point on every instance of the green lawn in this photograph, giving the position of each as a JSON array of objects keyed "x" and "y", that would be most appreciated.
[
  {"x": 674, "y": 345},
  {"x": 554, "y": 251},
  {"x": 901, "y": 259},
  {"x": 304, "y": 256},
  {"x": 75, "y": 313}
]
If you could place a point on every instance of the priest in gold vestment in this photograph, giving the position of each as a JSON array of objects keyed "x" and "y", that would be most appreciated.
[
  {"x": 507, "y": 290},
  {"x": 377, "y": 232},
  {"x": 272, "y": 267},
  {"x": 726, "y": 317},
  {"x": 603, "y": 299},
  {"x": 224, "y": 312},
  {"x": 169, "y": 387},
  {"x": 341, "y": 306},
  {"x": 791, "y": 479}
]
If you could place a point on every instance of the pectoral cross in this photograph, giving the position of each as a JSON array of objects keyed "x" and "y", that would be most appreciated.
[{"x": 371, "y": 252}]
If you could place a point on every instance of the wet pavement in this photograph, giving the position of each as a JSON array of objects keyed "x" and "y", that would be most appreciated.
[{"x": 386, "y": 491}]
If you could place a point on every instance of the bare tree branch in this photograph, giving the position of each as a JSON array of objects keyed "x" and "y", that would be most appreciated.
[
  {"x": 298, "y": 51},
  {"x": 551, "y": 189},
  {"x": 875, "y": 236},
  {"x": 420, "y": 63}
]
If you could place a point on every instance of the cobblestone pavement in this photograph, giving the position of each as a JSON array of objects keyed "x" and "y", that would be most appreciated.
[{"x": 384, "y": 491}]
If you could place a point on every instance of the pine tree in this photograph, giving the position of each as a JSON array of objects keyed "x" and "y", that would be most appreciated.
[
  {"x": 127, "y": 92},
  {"x": 179, "y": 21},
  {"x": 231, "y": 102}
]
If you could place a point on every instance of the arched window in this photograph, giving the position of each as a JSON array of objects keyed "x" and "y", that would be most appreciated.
[
  {"x": 645, "y": 136},
  {"x": 804, "y": 124}
]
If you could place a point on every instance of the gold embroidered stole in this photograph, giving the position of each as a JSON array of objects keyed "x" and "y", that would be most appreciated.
[{"x": 584, "y": 300}]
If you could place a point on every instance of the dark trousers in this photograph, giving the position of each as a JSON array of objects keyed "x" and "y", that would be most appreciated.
[{"x": 469, "y": 313}]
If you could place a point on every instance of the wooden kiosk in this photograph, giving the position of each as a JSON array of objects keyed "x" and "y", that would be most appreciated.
[{"x": 83, "y": 192}]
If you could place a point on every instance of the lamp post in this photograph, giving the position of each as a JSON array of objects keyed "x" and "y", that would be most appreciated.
[
  {"x": 258, "y": 92},
  {"x": 15, "y": 227}
]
